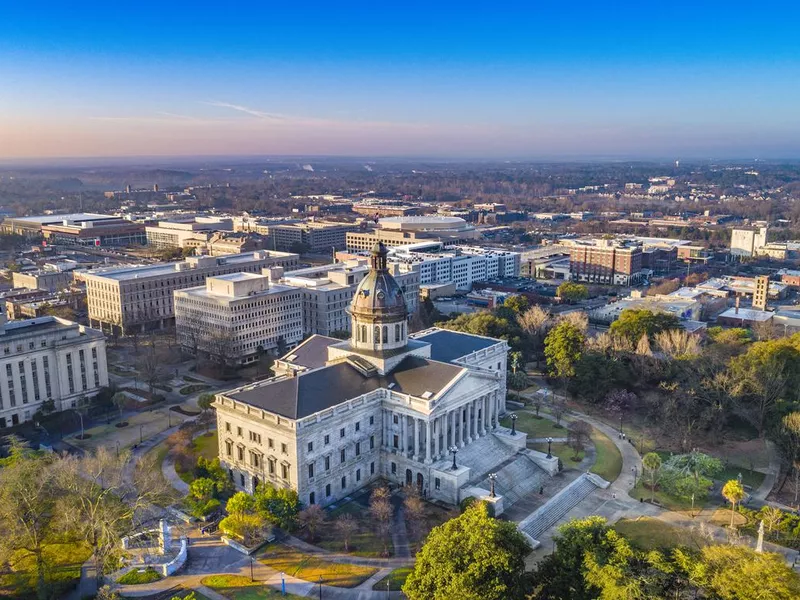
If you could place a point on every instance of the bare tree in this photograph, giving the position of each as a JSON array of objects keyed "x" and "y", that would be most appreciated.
[
  {"x": 677, "y": 342},
  {"x": 414, "y": 509},
  {"x": 534, "y": 322},
  {"x": 579, "y": 319},
  {"x": 346, "y": 526},
  {"x": 311, "y": 517},
  {"x": 578, "y": 435},
  {"x": 151, "y": 367},
  {"x": 558, "y": 406},
  {"x": 381, "y": 510}
]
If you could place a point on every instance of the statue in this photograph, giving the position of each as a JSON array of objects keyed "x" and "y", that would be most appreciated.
[{"x": 760, "y": 542}]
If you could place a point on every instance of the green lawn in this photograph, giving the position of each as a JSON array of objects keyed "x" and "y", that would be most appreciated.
[
  {"x": 63, "y": 569},
  {"x": 395, "y": 579},
  {"x": 309, "y": 567},
  {"x": 193, "y": 388},
  {"x": 608, "y": 461},
  {"x": 239, "y": 587},
  {"x": 669, "y": 502},
  {"x": 137, "y": 577},
  {"x": 536, "y": 428},
  {"x": 365, "y": 542},
  {"x": 207, "y": 446},
  {"x": 653, "y": 534},
  {"x": 751, "y": 478},
  {"x": 562, "y": 451}
]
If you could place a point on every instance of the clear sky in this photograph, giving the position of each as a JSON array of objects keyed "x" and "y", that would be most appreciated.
[{"x": 496, "y": 79}]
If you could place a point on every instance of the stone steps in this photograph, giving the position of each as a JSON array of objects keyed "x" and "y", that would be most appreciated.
[
  {"x": 483, "y": 455},
  {"x": 516, "y": 478},
  {"x": 559, "y": 505}
]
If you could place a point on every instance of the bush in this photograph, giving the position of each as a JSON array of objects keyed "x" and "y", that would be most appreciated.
[
  {"x": 137, "y": 577},
  {"x": 466, "y": 503},
  {"x": 517, "y": 381}
]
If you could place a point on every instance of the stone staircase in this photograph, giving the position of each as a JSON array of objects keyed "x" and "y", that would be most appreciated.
[
  {"x": 559, "y": 505},
  {"x": 483, "y": 456},
  {"x": 516, "y": 477}
]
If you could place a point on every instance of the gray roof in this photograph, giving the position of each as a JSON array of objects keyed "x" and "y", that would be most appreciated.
[
  {"x": 314, "y": 391},
  {"x": 312, "y": 354},
  {"x": 447, "y": 345}
]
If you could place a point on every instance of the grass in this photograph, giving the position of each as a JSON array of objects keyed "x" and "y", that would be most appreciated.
[
  {"x": 239, "y": 587},
  {"x": 608, "y": 459},
  {"x": 666, "y": 500},
  {"x": 195, "y": 387},
  {"x": 63, "y": 562},
  {"x": 364, "y": 541},
  {"x": 309, "y": 567},
  {"x": 395, "y": 579},
  {"x": 536, "y": 428},
  {"x": 653, "y": 534},
  {"x": 137, "y": 577},
  {"x": 749, "y": 478},
  {"x": 206, "y": 446},
  {"x": 562, "y": 451}
]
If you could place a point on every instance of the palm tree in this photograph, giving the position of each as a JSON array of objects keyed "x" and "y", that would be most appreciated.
[
  {"x": 652, "y": 462},
  {"x": 733, "y": 493}
]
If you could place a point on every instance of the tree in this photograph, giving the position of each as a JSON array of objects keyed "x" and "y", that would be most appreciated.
[
  {"x": 346, "y": 526},
  {"x": 578, "y": 435},
  {"x": 27, "y": 512},
  {"x": 563, "y": 347},
  {"x": 733, "y": 492},
  {"x": 558, "y": 406},
  {"x": 533, "y": 323},
  {"x": 380, "y": 508},
  {"x": 243, "y": 521},
  {"x": 518, "y": 303},
  {"x": 633, "y": 323},
  {"x": 740, "y": 573},
  {"x": 120, "y": 400},
  {"x": 791, "y": 446},
  {"x": 204, "y": 401},
  {"x": 311, "y": 518},
  {"x": 470, "y": 557},
  {"x": 279, "y": 506},
  {"x": 414, "y": 509},
  {"x": 652, "y": 467},
  {"x": 572, "y": 292},
  {"x": 687, "y": 475},
  {"x": 151, "y": 366},
  {"x": 515, "y": 360},
  {"x": 202, "y": 497}
]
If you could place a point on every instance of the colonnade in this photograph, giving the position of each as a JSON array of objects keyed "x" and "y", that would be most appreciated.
[{"x": 429, "y": 438}]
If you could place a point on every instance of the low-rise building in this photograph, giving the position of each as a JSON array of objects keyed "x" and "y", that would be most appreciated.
[
  {"x": 605, "y": 261},
  {"x": 51, "y": 277},
  {"x": 189, "y": 233},
  {"x": 317, "y": 236},
  {"x": 48, "y": 360},
  {"x": 746, "y": 241},
  {"x": 140, "y": 298},
  {"x": 685, "y": 309},
  {"x": 236, "y": 317},
  {"x": 790, "y": 277}
]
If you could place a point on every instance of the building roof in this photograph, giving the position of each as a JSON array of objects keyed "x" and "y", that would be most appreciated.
[
  {"x": 71, "y": 217},
  {"x": 313, "y": 391},
  {"x": 747, "y": 314},
  {"x": 312, "y": 353},
  {"x": 447, "y": 346}
]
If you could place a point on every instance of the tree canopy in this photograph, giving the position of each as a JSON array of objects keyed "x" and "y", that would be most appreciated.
[
  {"x": 633, "y": 323},
  {"x": 563, "y": 347}
]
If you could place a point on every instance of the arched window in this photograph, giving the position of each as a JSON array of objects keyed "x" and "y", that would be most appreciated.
[
  {"x": 385, "y": 334},
  {"x": 397, "y": 332},
  {"x": 376, "y": 335}
]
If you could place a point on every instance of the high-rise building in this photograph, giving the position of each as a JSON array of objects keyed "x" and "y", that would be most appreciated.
[
  {"x": 235, "y": 317},
  {"x": 606, "y": 261},
  {"x": 140, "y": 298},
  {"x": 761, "y": 292},
  {"x": 746, "y": 241}
]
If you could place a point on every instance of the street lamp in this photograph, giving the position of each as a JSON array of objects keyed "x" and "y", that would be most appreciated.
[
  {"x": 692, "y": 506},
  {"x": 454, "y": 450},
  {"x": 283, "y": 583},
  {"x": 251, "y": 569},
  {"x": 513, "y": 418},
  {"x": 492, "y": 479},
  {"x": 635, "y": 472},
  {"x": 549, "y": 444},
  {"x": 320, "y": 587}
]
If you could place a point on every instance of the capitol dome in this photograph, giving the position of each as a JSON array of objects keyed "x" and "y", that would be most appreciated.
[{"x": 379, "y": 311}]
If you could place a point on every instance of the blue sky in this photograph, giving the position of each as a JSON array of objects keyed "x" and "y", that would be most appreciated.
[{"x": 701, "y": 79}]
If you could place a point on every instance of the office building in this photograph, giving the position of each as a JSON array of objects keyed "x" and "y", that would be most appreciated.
[
  {"x": 140, "y": 298},
  {"x": 316, "y": 236},
  {"x": 51, "y": 277},
  {"x": 48, "y": 360},
  {"x": 31, "y": 226},
  {"x": 381, "y": 405},
  {"x": 236, "y": 317},
  {"x": 605, "y": 261},
  {"x": 188, "y": 233},
  {"x": 327, "y": 291},
  {"x": 403, "y": 231}
]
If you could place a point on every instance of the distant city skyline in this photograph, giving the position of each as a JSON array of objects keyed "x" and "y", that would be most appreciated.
[{"x": 689, "y": 80}]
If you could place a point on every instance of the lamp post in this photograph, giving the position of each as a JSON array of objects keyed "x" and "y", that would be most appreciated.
[
  {"x": 283, "y": 583},
  {"x": 251, "y": 569},
  {"x": 141, "y": 438},
  {"x": 117, "y": 448},
  {"x": 513, "y": 418},
  {"x": 492, "y": 479},
  {"x": 454, "y": 450},
  {"x": 692, "y": 513},
  {"x": 549, "y": 444},
  {"x": 320, "y": 587},
  {"x": 635, "y": 472}
]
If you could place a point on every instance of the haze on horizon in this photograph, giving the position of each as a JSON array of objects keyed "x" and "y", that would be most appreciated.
[{"x": 98, "y": 79}]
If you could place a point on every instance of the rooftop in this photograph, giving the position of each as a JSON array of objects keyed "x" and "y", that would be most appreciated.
[
  {"x": 448, "y": 346},
  {"x": 312, "y": 353},
  {"x": 45, "y": 219},
  {"x": 313, "y": 391},
  {"x": 747, "y": 314}
]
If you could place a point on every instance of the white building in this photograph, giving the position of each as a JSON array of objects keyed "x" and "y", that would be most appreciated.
[
  {"x": 238, "y": 316},
  {"x": 746, "y": 241},
  {"x": 383, "y": 404},
  {"x": 328, "y": 290},
  {"x": 140, "y": 298},
  {"x": 45, "y": 359}
]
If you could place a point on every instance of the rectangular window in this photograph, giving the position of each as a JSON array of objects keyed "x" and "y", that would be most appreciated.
[
  {"x": 342, "y": 455},
  {"x": 284, "y": 449},
  {"x": 372, "y": 420},
  {"x": 284, "y": 471},
  {"x": 327, "y": 440},
  {"x": 395, "y": 419},
  {"x": 358, "y": 475},
  {"x": 272, "y": 467},
  {"x": 436, "y": 483},
  {"x": 344, "y": 482},
  {"x": 395, "y": 441},
  {"x": 239, "y": 431},
  {"x": 227, "y": 427},
  {"x": 372, "y": 468},
  {"x": 240, "y": 453},
  {"x": 271, "y": 443},
  {"x": 311, "y": 471},
  {"x": 358, "y": 448},
  {"x": 46, "y": 365},
  {"x": 394, "y": 468},
  {"x": 310, "y": 446},
  {"x": 328, "y": 491},
  {"x": 23, "y": 382},
  {"x": 358, "y": 426},
  {"x": 327, "y": 463},
  {"x": 341, "y": 432},
  {"x": 372, "y": 442}
]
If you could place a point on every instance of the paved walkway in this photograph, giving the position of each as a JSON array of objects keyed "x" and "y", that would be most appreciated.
[{"x": 771, "y": 476}]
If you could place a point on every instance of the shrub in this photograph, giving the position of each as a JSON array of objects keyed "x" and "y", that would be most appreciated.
[{"x": 137, "y": 577}]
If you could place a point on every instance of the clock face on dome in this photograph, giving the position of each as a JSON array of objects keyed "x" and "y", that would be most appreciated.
[{"x": 381, "y": 295}]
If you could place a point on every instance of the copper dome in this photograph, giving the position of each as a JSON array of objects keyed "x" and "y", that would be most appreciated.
[{"x": 379, "y": 297}]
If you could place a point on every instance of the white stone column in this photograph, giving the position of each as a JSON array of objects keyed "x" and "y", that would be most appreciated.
[
  {"x": 452, "y": 429},
  {"x": 462, "y": 413},
  {"x": 404, "y": 434},
  {"x": 434, "y": 428},
  {"x": 415, "y": 424},
  {"x": 483, "y": 415},
  {"x": 428, "y": 436}
]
